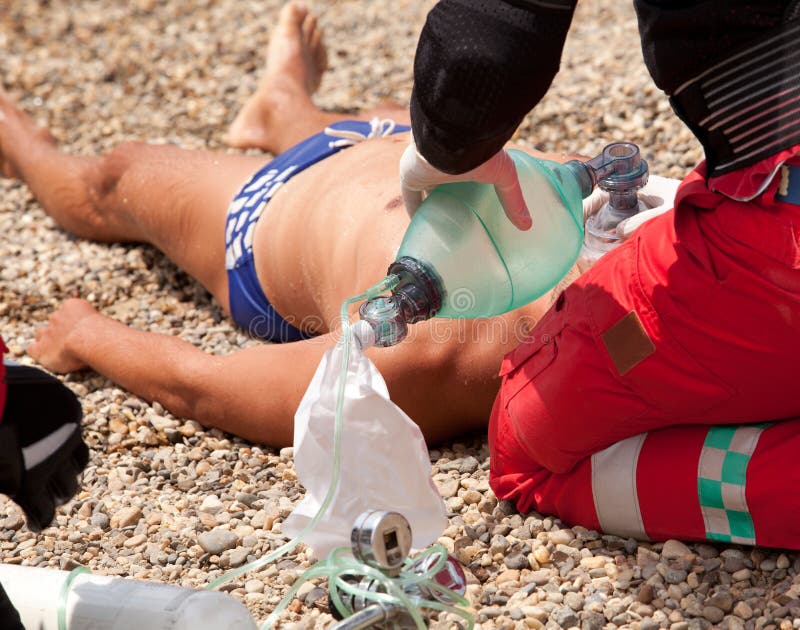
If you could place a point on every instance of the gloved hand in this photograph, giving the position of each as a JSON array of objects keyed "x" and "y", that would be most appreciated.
[
  {"x": 658, "y": 196},
  {"x": 41, "y": 448},
  {"x": 417, "y": 176}
]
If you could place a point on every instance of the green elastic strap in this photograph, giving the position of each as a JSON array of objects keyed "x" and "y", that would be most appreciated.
[{"x": 64, "y": 594}]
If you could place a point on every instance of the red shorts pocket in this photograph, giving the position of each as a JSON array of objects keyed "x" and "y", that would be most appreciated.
[{"x": 666, "y": 376}]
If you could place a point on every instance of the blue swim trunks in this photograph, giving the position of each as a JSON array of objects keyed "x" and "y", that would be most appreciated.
[{"x": 250, "y": 308}]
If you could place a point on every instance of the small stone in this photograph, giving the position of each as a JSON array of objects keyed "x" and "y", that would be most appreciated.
[
  {"x": 674, "y": 549},
  {"x": 245, "y": 498},
  {"x": 317, "y": 597},
  {"x": 448, "y": 487},
  {"x": 211, "y": 505},
  {"x": 188, "y": 429},
  {"x": 540, "y": 577},
  {"x": 561, "y": 536},
  {"x": 646, "y": 594},
  {"x": 713, "y": 614},
  {"x": 254, "y": 586},
  {"x": 541, "y": 554},
  {"x": 286, "y": 453},
  {"x": 517, "y": 560},
  {"x": 768, "y": 564},
  {"x": 674, "y": 576},
  {"x": 565, "y": 618},
  {"x": 468, "y": 465},
  {"x": 595, "y": 562},
  {"x": 135, "y": 541},
  {"x": 741, "y": 575},
  {"x": 471, "y": 497},
  {"x": 723, "y": 601},
  {"x": 118, "y": 426},
  {"x": 509, "y": 575},
  {"x": 516, "y": 613},
  {"x": 217, "y": 540},
  {"x": 13, "y": 521},
  {"x": 574, "y": 601},
  {"x": 160, "y": 423},
  {"x": 454, "y": 504},
  {"x": 743, "y": 610},
  {"x": 126, "y": 516},
  {"x": 100, "y": 520},
  {"x": 239, "y": 556}
]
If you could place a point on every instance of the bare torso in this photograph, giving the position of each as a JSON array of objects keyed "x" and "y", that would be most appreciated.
[
  {"x": 332, "y": 230},
  {"x": 330, "y": 233}
]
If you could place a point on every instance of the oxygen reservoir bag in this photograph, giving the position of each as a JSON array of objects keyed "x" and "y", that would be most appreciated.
[{"x": 385, "y": 463}]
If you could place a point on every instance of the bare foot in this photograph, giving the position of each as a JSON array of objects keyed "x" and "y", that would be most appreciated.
[
  {"x": 296, "y": 61},
  {"x": 18, "y": 131}
]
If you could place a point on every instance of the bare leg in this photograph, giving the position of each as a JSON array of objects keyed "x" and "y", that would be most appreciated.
[
  {"x": 296, "y": 61},
  {"x": 172, "y": 198}
]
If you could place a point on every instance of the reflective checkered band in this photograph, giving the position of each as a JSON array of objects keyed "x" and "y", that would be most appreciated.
[{"x": 722, "y": 479}]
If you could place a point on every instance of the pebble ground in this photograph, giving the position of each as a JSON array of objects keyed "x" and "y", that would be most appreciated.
[{"x": 164, "y": 499}]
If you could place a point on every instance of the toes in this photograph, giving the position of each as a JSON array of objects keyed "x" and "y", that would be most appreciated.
[
  {"x": 309, "y": 26},
  {"x": 293, "y": 14},
  {"x": 319, "y": 50}
]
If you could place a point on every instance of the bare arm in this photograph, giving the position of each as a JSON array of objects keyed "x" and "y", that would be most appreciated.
[
  {"x": 252, "y": 393},
  {"x": 447, "y": 388}
]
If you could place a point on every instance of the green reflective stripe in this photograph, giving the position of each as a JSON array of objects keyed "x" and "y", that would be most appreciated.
[{"x": 722, "y": 480}]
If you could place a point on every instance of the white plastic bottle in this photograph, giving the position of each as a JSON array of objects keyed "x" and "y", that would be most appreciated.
[{"x": 97, "y": 602}]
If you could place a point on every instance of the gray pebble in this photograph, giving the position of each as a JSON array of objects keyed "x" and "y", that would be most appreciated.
[
  {"x": 565, "y": 617},
  {"x": 217, "y": 540}
]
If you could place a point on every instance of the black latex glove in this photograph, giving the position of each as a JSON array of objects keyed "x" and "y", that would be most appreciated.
[{"x": 42, "y": 452}]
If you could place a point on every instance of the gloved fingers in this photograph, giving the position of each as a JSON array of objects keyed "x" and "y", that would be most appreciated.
[
  {"x": 416, "y": 177},
  {"x": 39, "y": 510},
  {"x": 415, "y": 171},
  {"x": 63, "y": 487},
  {"x": 501, "y": 172},
  {"x": 628, "y": 226},
  {"x": 594, "y": 202},
  {"x": 663, "y": 187},
  {"x": 514, "y": 206},
  {"x": 53, "y": 482},
  {"x": 411, "y": 199}
]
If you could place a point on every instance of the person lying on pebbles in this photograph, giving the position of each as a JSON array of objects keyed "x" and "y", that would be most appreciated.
[{"x": 280, "y": 253}]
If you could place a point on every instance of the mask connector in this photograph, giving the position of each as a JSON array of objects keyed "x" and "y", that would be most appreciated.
[
  {"x": 418, "y": 296},
  {"x": 621, "y": 172}
]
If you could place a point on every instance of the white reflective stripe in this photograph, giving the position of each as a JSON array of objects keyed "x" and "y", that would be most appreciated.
[
  {"x": 756, "y": 72},
  {"x": 766, "y": 136},
  {"x": 770, "y": 42},
  {"x": 747, "y": 89},
  {"x": 737, "y": 109},
  {"x": 758, "y": 108},
  {"x": 37, "y": 452},
  {"x": 767, "y": 123},
  {"x": 614, "y": 488},
  {"x": 745, "y": 439},
  {"x": 754, "y": 152}
]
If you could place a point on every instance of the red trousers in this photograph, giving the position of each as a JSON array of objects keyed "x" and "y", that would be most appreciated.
[{"x": 608, "y": 413}]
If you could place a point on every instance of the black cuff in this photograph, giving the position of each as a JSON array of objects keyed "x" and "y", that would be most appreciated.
[
  {"x": 480, "y": 67},
  {"x": 11, "y": 465}
]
